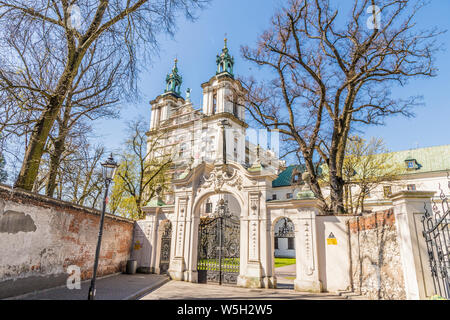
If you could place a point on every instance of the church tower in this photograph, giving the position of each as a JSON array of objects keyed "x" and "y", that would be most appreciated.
[
  {"x": 170, "y": 101},
  {"x": 222, "y": 103},
  {"x": 221, "y": 93},
  {"x": 173, "y": 81}
]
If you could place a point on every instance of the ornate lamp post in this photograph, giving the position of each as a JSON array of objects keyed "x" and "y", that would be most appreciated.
[{"x": 108, "y": 171}]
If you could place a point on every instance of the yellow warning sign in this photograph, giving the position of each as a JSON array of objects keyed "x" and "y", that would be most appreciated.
[{"x": 331, "y": 240}]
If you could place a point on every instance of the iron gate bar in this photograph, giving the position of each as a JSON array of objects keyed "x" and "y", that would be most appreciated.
[
  {"x": 218, "y": 259},
  {"x": 437, "y": 241}
]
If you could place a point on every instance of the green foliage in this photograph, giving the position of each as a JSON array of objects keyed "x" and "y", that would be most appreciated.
[
  {"x": 139, "y": 175},
  {"x": 282, "y": 262}
]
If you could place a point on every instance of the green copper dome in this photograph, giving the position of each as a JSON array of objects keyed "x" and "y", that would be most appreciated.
[
  {"x": 225, "y": 61},
  {"x": 174, "y": 80}
]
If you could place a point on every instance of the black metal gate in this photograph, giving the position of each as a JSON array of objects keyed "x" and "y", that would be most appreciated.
[
  {"x": 436, "y": 233},
  {"x": 165, "y": 248},
  {"x": 218, "y": 251}
]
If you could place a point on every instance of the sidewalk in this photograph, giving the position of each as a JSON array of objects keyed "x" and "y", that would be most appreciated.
[
  {"x": 285, "y": 276},
  {"x": 116, "y": 287}
]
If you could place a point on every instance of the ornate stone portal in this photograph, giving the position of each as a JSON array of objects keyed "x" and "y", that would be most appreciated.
[{"x": 257, "y": 219}]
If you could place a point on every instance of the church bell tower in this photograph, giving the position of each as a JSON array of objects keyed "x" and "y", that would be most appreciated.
[{"x": 221, "y": 93}]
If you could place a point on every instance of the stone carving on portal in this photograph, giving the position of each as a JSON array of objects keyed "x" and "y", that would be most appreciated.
[
  {"x": 308, "y": 249},
  {"x": 219, "y": 177},
  {"x": 254, "y": 226}
]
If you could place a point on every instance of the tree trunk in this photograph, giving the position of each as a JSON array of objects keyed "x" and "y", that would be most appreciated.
[
  {"x": 314, "y": 185},
  {"x": 55, "y": 160},
  {"x": 58, "y": 149},
  {"x": 336, "y": 187},
  {"x": 35, "y": 148},
  {"x": 43, "y": 126}
]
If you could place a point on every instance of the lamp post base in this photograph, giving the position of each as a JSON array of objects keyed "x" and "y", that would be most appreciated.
[{"x": 91, "y": 295}]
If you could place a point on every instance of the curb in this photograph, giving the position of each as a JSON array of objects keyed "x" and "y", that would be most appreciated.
[
  {"x": 350, "y": 295},
  {"x": 146, "y": 290}
]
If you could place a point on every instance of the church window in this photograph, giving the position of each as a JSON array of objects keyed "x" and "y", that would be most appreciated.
[
  {"x": 387, "y": 190},
  {"x": 235, "y": 107},
  {"x": 274, "y": 197},
  {"x": 214, "y": 104},
  {"x": 411, "y": 164},
  {"x": 411, "y": 187},
  {"x": 208, "y": 208},
  {"x": 289, "y": 195},
  {"x": 182, "y": 150}
]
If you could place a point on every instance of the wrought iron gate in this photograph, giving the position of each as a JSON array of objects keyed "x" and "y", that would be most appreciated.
[
  {"x": 218, "y": 251},
  {"x": 165, "y": 248},
  {"x": 436, "y": 233}
]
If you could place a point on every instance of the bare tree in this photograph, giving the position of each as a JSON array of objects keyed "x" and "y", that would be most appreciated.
[
  {"x": 78, "y": 177},
  {"x": 139, "y": 175},
  {"x": 48, "y": 31},
  {"x": 367, "y": 166},
  {"x": 332, "y": 74}
]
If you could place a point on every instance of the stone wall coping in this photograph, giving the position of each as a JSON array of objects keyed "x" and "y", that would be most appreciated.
[
  {"x": 412, "y": 195},
  {"x": 9, "y": 193},
  {"x": 294, "y": 203}
]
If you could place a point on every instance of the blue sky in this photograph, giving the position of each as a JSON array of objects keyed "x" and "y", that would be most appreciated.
[{"x": 196, "y": 44}]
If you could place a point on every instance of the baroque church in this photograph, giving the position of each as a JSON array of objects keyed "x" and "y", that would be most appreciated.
[{"x": 232, "y": 205}]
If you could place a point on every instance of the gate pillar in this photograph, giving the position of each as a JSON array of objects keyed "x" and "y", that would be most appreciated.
[
  {"x": 307, "y": 270},
  {"x": 252, "y": 273},
  {"x": 177, "y": 269},
  {"x": 408, "y": 210}
]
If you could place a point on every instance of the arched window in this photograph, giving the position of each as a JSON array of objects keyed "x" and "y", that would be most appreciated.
[
  {"x": 214, "y": 104},
  {"x": 235, "y": 106}
]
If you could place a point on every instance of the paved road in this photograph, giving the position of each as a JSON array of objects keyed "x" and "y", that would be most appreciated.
[
  {"x": 195, "y": 291},
  {"x": 116, "y": 287}
]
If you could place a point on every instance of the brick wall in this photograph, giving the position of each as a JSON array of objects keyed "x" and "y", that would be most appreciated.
[
  {"x": 376, "y": 267},
  {"x": 40, "y": 237}
]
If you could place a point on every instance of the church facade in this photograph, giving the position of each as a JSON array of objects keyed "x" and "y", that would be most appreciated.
[{"x": 232, "y": 205}]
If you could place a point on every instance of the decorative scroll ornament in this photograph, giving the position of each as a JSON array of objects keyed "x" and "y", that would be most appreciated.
[{"x": 220, "y": 177}]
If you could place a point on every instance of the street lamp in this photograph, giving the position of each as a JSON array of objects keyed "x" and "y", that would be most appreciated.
[{"x": 108, "y": 171}]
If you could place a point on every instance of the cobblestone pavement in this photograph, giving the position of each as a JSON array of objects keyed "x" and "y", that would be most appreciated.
[{"x": 186, "y": 290}]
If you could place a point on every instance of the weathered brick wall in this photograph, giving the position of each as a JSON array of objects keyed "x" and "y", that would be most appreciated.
[
  {"x": 40, "y": 237},
  {"x": 375, "y": 256}
]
